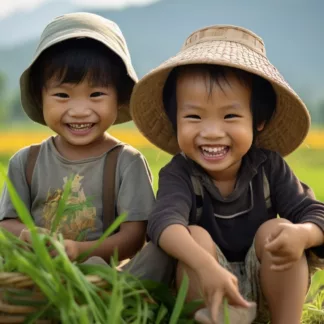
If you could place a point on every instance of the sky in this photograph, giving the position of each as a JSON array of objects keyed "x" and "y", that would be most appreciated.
[{"x": 9, "y": 7}]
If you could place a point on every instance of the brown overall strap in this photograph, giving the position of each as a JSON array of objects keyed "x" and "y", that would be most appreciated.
[
  {"x": 31, "y": 161},
  {"x": 108, "y": 187}
]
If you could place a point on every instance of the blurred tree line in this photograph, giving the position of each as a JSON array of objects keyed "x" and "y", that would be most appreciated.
[
  {"x": 10, "y": 107},
  {"x": 11, "y": 110}
]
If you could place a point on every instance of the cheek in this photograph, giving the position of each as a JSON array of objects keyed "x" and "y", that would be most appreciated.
[
  {"x": 242, "y": 133},
  {"x": 109, "y": 109},
  {"x": 186, "y": 134}
]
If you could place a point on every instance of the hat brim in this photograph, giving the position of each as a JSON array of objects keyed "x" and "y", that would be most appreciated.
[
  {"x": 32, "y": 107},
  {"x": 284, "y": 133}
]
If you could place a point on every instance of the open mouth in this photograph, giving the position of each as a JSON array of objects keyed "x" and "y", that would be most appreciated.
[
  {"x": 80, "y": 127},
  {"x": 214, "y": 152}
]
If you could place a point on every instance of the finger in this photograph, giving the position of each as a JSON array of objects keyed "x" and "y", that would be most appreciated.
[
  {"x": 274, "y": 233},
  {"x": 216, "y": 301},
  {"x": 279, "y": 260},
  {"x": 235, "y": 298},
  {"x": 276, "y": 244},
  {"x": 283, "y": 267}
]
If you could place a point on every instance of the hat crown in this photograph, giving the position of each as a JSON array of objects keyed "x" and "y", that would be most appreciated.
[
  {"x": 82, "y": 23},
  {"x": 226, "y": 33}
]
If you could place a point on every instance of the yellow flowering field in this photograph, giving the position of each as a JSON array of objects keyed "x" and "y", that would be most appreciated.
[{"x": 13, "y": 140}]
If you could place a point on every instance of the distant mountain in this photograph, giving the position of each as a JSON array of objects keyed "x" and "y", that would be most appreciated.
[
  {"x": 292, "y": 30},
  {"x": 25, "y": 26}
]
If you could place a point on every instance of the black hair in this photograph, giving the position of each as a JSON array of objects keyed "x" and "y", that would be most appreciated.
[
  {"x": 73, "y": 60},
  {"x": 263, "y": 97}
]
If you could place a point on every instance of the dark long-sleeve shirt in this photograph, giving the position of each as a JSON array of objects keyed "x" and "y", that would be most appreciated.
[{"x": 233, "y": 221}]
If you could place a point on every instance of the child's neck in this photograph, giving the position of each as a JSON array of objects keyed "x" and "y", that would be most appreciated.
[
  {"x": 225, "y": 181},
  {"x": 80, "y": 152},
  {"x": 225, "y": 188}
]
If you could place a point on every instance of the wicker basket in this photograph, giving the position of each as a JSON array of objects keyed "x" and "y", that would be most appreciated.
[{"x": 17, "y": 289}]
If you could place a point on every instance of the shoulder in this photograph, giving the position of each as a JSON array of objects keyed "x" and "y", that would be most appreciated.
[
  {"x": 178, "y": 166},
  {"x": 273, "y": 160},
  {"x": 19, "y": 159},
  {"x": 130, "y": 158},
  {"x": 129, "y": 153}
]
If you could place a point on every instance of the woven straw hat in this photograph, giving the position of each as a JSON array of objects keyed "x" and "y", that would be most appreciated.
[
  {"x": 228, "y": 46},
  {"x": 78, "y": 25}
]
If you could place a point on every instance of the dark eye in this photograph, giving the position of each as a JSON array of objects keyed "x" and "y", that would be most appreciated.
[
  {"x": 230, "y": 116},
  {"x": 96, "y": 94},
  {"x": 193, "y": 117},
  {"x": 61, "y": 95}
]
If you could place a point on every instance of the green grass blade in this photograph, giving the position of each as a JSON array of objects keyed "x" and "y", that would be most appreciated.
[
  {"x": 62, "y": 204},
  {"x": 119, "y": 220},
  {"x": 226, "y": 312},
  {"x": 317, "y": 283},
  {"x": 161, "y": 315},
  {"x": 182, "y": 293}
]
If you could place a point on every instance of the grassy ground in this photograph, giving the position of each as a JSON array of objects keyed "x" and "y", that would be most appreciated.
[{"x": 308, "y": 165}]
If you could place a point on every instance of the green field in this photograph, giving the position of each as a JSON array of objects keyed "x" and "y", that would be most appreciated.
[{"x": 307, "y": 164}]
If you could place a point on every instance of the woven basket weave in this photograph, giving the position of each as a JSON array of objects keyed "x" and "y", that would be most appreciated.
[{"x": 17, "y": 289}]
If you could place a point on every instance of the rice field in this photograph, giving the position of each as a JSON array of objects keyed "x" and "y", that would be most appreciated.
[
  {"x": 13, "y": 139},
  {"x": 307, "y": 163}
]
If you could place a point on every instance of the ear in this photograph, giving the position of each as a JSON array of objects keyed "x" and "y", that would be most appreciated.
[{"x": 260, "y": 127}]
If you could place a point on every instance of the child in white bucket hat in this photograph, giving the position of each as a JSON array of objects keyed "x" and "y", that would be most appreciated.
[
  {"x": 228, "y": 117},
  {"x": 79, "y": 84}
]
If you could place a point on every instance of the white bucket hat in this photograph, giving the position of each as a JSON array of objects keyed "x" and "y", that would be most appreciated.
[{"x": 76, "y": 25}]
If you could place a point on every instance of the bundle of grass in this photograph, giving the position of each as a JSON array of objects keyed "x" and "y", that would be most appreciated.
[{"x": 37, "y": 288}]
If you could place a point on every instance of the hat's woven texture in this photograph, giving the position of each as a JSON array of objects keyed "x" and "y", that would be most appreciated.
[{"x": 229, "y": 46}]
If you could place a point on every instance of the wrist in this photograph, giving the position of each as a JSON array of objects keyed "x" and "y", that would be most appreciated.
[
  {"x": 311, "y": 234},
  {"x": 205, "y": 263}
]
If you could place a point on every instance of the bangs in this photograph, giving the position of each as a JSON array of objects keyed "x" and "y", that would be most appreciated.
[
  {"x": 216, "y": 75},
  {"x": 78, "y": 66}
]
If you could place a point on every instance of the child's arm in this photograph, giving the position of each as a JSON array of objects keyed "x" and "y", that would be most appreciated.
[
  {"x": 135, "y": 199},
  {"x": 128, "y": 241},
  {"x": 296, "y": 202},
  {"x": 168, "y": 227},
  {"x": 15, "y": 226}
]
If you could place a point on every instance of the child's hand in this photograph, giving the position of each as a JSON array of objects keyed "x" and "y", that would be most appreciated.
[
  {"x": 286, "y": 245},
  {"x": 216, "y": 283},
  {"x": 71, "y": 249},
  {"x": 26, "y": 236}
]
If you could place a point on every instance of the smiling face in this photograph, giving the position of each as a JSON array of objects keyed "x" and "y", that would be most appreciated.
[
  {"x": 214, "y": 122},
  {"x": 79, "y": 113}
]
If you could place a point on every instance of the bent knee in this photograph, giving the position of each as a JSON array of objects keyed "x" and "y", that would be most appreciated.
[
  {"x": 203, "y": 238},
  {"x": 263, "y": 231}
]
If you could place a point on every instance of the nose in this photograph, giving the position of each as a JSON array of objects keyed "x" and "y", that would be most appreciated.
[
  {"x": 79, "y": 109},
  {"x": 212, "y": 130}
]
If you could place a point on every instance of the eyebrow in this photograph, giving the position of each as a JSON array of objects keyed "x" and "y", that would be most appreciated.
[
  {"x": 235, "y": 106},
  {"x": 59, "y": 85},
  {"x": 189, "y": 106}
]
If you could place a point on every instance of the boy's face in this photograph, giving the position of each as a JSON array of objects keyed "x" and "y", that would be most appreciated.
[
  {"x": 214, "y": 128},
  {"x": 79, "y": 113}
]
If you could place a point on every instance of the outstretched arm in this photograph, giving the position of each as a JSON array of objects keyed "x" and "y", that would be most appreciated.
[{"x": 128, "y": 241}]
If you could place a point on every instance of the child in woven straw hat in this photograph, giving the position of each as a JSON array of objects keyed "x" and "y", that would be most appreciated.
[
  {"x": 228, "y": 117},
  {"x": 79, "y": 84}
]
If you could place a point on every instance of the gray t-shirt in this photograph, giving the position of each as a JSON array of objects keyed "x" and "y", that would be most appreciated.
[{"x": 133, "y": 189}]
